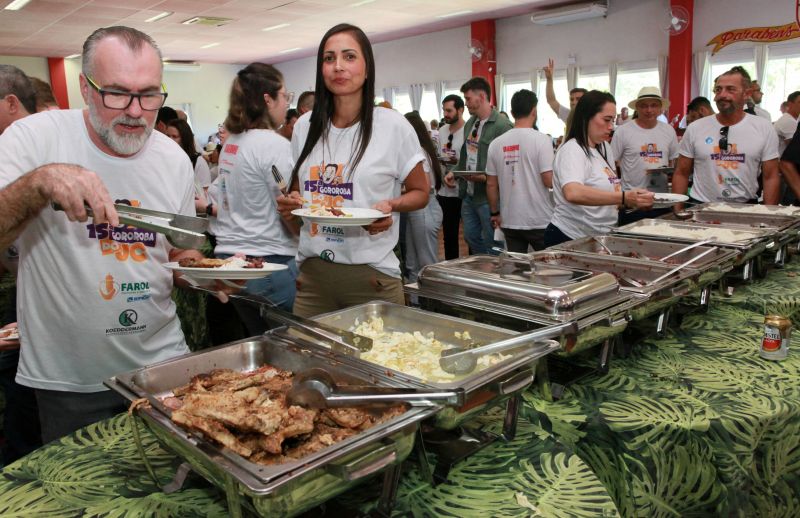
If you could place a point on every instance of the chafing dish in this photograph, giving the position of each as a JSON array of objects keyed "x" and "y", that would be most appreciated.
[
  {"x": 284, "y": 489},
  {"x": 712, "y": 267},
  {"x": 777, "y": 210},
  {"x": 483, "y": 388},
  {"x": 754, "y": 241}
]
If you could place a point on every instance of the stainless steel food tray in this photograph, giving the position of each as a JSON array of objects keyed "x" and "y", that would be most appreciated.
[
  {"x": 287, "y": 488},
  {"x": 508, "y": 281},
  {"x": 759, "y": 239},
  {"x": 482, "y": 388},
  {"x": 772, "y": 222},
  {"x": 747, "y": 208},
  {"x": 720, "y": 261}
]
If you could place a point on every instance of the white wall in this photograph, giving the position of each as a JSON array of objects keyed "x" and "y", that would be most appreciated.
[
  {"x": 713, "y": 17},
  {"x": 426, "y": 58},
  {"x": 629, "y": 34},
  {"x": 35, "y": 67},
  {"x": 206, "y": 89}
]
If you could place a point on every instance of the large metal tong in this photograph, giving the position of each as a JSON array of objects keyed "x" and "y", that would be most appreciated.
[
  {"x": 339, "y": 340},
  {"x": 181, "y": 231}
]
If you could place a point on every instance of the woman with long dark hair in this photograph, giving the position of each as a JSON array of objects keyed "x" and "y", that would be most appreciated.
[
  {"x": 349, "y": 153},
  {"x": 422, "y": 227},
  {"x": 179, "y": 131},
  {"x": 586, "y": 188},
  {"x": 247, "y": 219}
]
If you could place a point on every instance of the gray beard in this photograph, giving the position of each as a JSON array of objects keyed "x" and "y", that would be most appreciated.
[{"x": 120, "y": 144}]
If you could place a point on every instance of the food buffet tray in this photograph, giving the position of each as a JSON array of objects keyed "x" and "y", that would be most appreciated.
[
  {"x": 773, "y": 222},
  {"x": 508, "y": 281},
  {"x": 751, "y": 238},
  {"x": 287, "y": 488},
  {"x": 652, "y": 250},
  {"x": 483, "y": 388},
  {"x": 747, "y": 208}
]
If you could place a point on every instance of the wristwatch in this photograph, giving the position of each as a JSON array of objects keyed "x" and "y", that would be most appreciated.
[
  {"x": 210, "y": 209},
  {"x": 494, "y": 213}
]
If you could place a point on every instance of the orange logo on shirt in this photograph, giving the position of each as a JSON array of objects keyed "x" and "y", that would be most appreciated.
[
  {"x": 650, "y": 154},
  {"x": 108, "y": 288},
  {"x": 613, "y": 179}
]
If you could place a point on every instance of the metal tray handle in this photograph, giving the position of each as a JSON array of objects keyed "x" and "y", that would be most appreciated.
[
  {"x": 365, "y": 465},
  {"x": 516, "y": 382}
]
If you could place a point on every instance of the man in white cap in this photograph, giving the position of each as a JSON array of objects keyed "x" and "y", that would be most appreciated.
[
  {"x": 726, "y": 150},
  {"x": 646, "y": 144}
]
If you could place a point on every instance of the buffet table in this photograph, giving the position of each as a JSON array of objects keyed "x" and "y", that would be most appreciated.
[{"x": 695, "y": 423}]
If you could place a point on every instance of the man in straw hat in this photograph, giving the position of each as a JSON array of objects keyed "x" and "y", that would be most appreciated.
[
  {"x": 645, "y": 144},
  {"x": 726, "y": 150}
]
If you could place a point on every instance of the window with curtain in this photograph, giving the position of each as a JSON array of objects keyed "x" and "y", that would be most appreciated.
[
  {"x": 509, "y": 90},
  {"x": 402, "y": 102},
  {"x": 629, "y": 82},
  {"x": 547, "y": 120},
  {"x": 428, "y": 109},
  {"x": 594, "y": 82},
  {"x": 783, "y": 78},
  {"x": 453, "y": 91}
]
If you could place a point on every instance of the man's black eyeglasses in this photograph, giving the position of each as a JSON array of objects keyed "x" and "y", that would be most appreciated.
[
  {"x": 475, "y": 129},
  {"x": 723, "y": 141},
  {"x": 449, "y": 144},
  {"x": 116, "y": 100}
]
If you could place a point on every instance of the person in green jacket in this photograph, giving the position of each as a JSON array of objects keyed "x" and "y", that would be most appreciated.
[{"x": 484, "y": 125}]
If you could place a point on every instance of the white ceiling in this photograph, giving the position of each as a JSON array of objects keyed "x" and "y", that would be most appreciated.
[{"x": 53, "y": 28}]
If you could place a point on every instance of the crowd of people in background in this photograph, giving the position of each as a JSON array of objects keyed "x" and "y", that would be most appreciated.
[{"x": 492, "y": 176}]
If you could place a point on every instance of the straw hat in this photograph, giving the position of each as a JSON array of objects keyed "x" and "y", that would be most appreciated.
[{"x": 649, "y": 92}]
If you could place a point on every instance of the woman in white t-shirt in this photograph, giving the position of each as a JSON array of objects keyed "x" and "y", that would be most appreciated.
[
  {"x": 586, "y": 188},
  {"x": 247, "y": 222},
  {"x": 349, "y": 153},
  {"x": 179, "y": 131},
  {"x": 422, "y": 227}
]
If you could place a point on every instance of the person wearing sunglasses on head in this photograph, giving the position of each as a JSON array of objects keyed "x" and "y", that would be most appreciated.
[
  {"x": 726, "y": 152},
  {"x": 94, "y": 296},
  {"x": 451, "y": 138}
]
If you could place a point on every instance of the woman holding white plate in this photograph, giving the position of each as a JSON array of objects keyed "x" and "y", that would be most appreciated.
[
  {"x": 247, "y": 222},
  {"x": 349, "y": 155}
]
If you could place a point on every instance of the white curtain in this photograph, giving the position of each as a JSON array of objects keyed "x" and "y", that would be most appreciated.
[
  {"x": 663, "y": 75},
  {"x": 612, "y": 78},
  {"x": 535, "y": 81},
  {"x": 761, "y": 51},
  {"x": 572, "y": 77},
  {"x": 415, "y": 94},
  {"x": 388, "y": 95},
  {"x": 500, "y": 90},
  {"x": 702, "y": 71},
  {"x": 438, "y": 91}
]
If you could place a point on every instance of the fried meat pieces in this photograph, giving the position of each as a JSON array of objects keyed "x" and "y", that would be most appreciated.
[{"x": 247, "y": 413}]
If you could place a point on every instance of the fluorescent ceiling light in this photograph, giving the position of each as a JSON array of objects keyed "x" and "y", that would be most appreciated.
[
  {"x": 16, "y": 5},
  {"x": 290, "y": 50},
  {"x": 73, "y": 56},
  {"x": 210, "y": 45},
  {"x": 457, "y": 13},
  {"x": 273, "y": 27},
  {"x": 159, "y": 16},
  {"x": 570, "y": 13},
  {"x": 362, "y": 2}
]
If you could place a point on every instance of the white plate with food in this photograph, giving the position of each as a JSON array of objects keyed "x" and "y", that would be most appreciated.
[
  {"x": 234, "y": 268},
  {"x": 10, "y": 335},
  {"x": 665, "y": 199},
  {"x": 340, "y": 217}
]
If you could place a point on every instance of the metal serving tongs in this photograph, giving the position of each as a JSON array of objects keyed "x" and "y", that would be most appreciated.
[
  {"x": 184, "y": 232},
  {"x": 339, "y": 340},
  {"x": 458, "y": 360},
  {"x": 684, "y": 265},
  {"x": 687, "y": 248},
  {"x": 316, "y": 388}
]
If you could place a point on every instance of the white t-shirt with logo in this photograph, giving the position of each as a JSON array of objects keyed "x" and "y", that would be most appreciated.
[
  {"x": 326, "y": 179},
  {"x": 572, "y": 165},
  {"x": 472, "y": 143},
  {"x": 785, "y": 127},
  {"x": 730, "y": 175},
  {"x": 638, "y": 149},
  {"x": 455, "y": 149},
  {"x": 94, "y": 303},
  {"x": 247, "y": 220},
  {"x": 518, "y": 158}
]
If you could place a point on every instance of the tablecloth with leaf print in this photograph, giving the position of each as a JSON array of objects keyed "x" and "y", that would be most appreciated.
[{"x": 693, "y": 424}]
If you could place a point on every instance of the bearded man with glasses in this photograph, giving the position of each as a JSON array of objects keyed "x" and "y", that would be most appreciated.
[
  {"x": 94, "y": 299},
  {"x": 728, "y": 151}
]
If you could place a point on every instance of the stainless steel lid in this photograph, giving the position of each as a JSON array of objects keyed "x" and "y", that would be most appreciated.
[
  {"x": 563, "y": 291},
  {"x": 741, "y": 237}
]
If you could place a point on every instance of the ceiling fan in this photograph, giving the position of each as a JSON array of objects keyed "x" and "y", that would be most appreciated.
[
  {"x": 677, "y": 20},
  {"x": 476, "y": 50}
]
